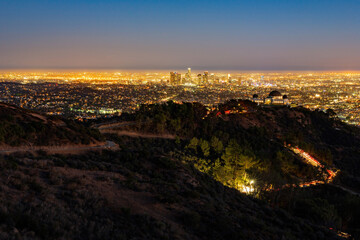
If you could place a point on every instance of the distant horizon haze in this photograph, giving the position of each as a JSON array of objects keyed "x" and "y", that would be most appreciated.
[{"x": 180, "y": 69}]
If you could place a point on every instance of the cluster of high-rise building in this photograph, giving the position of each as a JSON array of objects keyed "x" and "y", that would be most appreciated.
[{"x": 198, "y": 79}]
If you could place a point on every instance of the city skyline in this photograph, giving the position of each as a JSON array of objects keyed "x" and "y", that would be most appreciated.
[
  {"x": 106, "y": 92},
  {"x": 248, "y": 35}
]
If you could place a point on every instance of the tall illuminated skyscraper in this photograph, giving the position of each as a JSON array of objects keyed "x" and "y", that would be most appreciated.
[
  {"x": 177, "y": 78},
  {"x": 206, "y": 77},
  {"x": 188, "y": 76},
  {"x": 199, "y": 79},
  {"x": 172, "y": 77},
  {"x": 212, "y": 78}
]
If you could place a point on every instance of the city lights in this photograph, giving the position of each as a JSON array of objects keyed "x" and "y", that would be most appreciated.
[{"x": 92, "y": 94}]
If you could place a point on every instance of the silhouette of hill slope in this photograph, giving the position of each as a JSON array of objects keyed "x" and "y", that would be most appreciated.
[{"x": 20, "y": 127}]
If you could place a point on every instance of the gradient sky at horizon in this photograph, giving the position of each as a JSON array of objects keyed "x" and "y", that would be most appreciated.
[{"x": 135, "y": 34}]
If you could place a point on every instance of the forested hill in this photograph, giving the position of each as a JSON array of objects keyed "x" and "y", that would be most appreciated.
[
  {"x": 22, "y": 127},
  {"x": 317, "y": 132}
]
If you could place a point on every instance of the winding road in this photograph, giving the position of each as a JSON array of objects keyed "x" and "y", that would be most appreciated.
[{"x": 307, "y": 158}]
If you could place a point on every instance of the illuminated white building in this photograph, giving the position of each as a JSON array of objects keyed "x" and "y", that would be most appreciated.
[{"x": 274, "y": 98}]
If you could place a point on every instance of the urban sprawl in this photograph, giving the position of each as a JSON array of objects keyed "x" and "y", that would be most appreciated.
[{"x": 92, "y": 94}]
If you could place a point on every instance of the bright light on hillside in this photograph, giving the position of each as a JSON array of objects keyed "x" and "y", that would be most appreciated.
[{"x": 248, "y": 188}]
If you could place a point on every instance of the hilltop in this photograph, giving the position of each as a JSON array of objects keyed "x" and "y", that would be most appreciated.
[
  {"x": 319, "y": 133},
  {"x": 23, "y": 127}
]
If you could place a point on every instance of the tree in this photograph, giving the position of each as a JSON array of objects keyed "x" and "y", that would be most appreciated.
[
  {"x": 160, "y": 120},
  {"x": 194, "y": 142},
  {"x": 175, "y": 124},
  {"x": 205, "y": 147},
  {"x": 217, "y": 145},
  {"x": 232, "y": 164},
  {"x": 236, "y": 163}
]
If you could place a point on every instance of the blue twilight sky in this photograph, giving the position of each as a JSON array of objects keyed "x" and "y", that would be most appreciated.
[{"x": 223, "y": 34}]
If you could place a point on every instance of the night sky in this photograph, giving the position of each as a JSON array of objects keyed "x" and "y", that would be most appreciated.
[{"x": 228, "y": 35}]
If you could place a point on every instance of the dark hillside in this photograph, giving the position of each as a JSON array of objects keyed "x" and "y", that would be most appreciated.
[
  {"x": 21, "y": 127},
  {"x": 135, "y": 193},
  {"x": 225, "y": 173}
]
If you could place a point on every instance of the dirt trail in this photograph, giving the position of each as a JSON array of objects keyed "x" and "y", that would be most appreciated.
[
  {"x": 137, "y": 134},
  {"x": 70, "y": 149}
]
